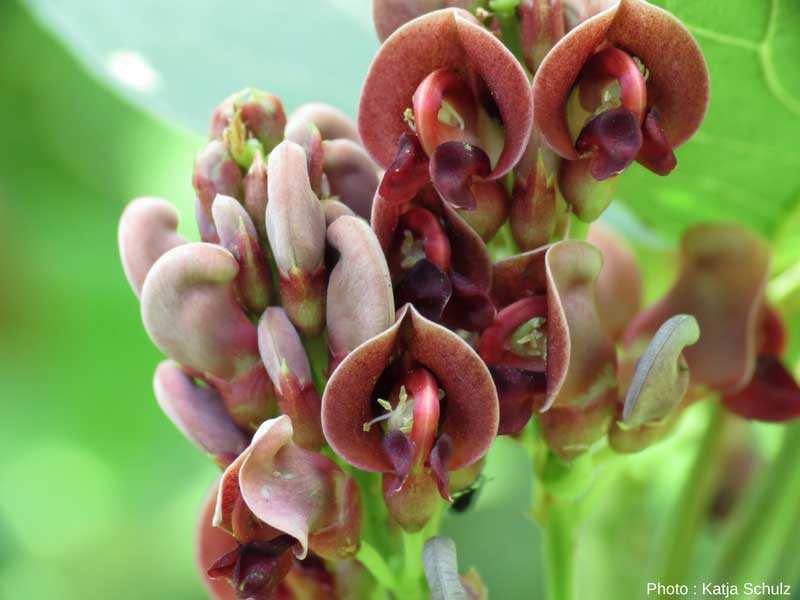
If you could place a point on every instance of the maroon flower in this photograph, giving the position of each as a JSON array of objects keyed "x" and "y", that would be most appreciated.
[
  {"x": 548, "y": 329},
  {"x": 414, "y": 403},
  {"x": 436, "y": 260},
  {"x": 724, "y": 271},
  {"x": 632, "y": 99}
]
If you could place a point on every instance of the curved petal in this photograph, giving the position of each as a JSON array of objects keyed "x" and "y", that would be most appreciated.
[
  {"x": 678, "y": 87},
  {"x": 472, "y": 408},
  {"x": 331, "y": 122},
  {"x": 198, "y": 412},
  {"x": 773, "y": 394},
  {"x": 619, "y": 285},
  {"x": 360, "y": 303},
  {"x": 190, "y": 313},
  {"x": 581, "y": 357},
  {"x": 724, "y": 270},
  {"x": 147, "y": 229},
  {"x": 292, "y": 489},
  {"x": 519, "y": 276},
  {"x": 333, "y": 209},
  {"x": 388, "y": 15},
  {"x": 451, "y": 39},
  {"x": 470, "y": 257},
  {"x": 212, "y": 543},
  {"x": 352, "y": 176}
]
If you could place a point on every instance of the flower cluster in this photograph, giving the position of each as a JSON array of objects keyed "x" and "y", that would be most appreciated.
[{"x": 389, "y": 298}]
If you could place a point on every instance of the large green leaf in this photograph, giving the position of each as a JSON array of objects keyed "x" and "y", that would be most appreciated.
[
  {"x": 180, "y": 59},
  {"x": 743, "y": 163}
]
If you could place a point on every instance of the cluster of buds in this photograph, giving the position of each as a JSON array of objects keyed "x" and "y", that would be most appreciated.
[{"x": 400, "y": 304}]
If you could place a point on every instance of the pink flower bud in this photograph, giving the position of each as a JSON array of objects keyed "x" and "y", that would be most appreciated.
[
  {"x": 199, "y": 412},
  {"x": 331, "y": 122},
  {"x": 190, "y": 312},
  {"x": 287, "y": 364},
  {"x": 215, "y": 172},
  {"x": 296, "y": 231},
  {"x": 359, "y": 302},
  {"x": 261, "y": 115},
  {"x": 238, "y": 235},
  {"x": 147, "y": 229}
]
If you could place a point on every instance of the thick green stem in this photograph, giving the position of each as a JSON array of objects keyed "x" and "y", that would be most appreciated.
[
  {"x": 757, "y": 543},
  {"x": 688, "y": 513},
  {"x": 559, "y": 546}
]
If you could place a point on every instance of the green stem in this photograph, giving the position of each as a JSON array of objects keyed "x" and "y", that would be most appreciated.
[
  {"x": 559, "y": 545},
  {"x": 753, "y": 547},
  {"x": 688, "y": 513},
  {"x": 412, "y": 565},
  {"x": 317, "y": 351},
  {"x": 374, "y": 563},
  {"x": 578, "y": 230}
]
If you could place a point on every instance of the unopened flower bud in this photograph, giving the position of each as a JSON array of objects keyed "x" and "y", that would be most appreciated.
[
  {"x": 296, "y": 231},
  {"x": 238, "y": 235},
  {"x": 147, "y": 229}
]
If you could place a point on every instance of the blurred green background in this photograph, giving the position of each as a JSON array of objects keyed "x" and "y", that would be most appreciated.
[{"x": 102, "y": 102}]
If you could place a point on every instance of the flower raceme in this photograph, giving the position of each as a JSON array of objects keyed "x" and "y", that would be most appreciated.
[{"x": 380, "y": 313}]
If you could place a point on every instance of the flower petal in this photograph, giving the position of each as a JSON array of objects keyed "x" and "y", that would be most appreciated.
[
  {"x": 619, "y": 285},
  {"x": 724, "y": 270},
  {"x": 291, "y": 489},
  {"x": 147, "y": 229},
  {"x": 211, "y": 544},
  {"x": 772, "y": 395},
  {"x": 678, "y": 86},
  {"x": 581, "y": 357},
  {"x": 444, "y": 39},
  {"x": 198, "y": 412},
  {"x": 352, "y": 176},
  {"x": 360, "y": 303},
  {"x": 295, "y": 221},
  {"x": 472, "y": 412},
  {"x": 190, "y": 312},
  {"x": 331, "y": 122}
]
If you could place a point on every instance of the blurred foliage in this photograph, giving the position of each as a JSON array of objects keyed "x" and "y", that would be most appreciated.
[{"x": 104, "y": 491}]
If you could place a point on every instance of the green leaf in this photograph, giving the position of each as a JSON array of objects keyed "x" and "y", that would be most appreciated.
[
  {"x": 180, "y": 59},
  {"x": 441, "y": 569},
  {"x": 742, "y": 164}
]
